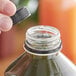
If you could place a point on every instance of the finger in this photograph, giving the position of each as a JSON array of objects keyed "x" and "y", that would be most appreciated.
[
  {"x": 5, "y": 23},
  {"x": 7, "y": 7}
]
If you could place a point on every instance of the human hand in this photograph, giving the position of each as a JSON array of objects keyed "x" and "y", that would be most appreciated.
[{"x": 7, "y": 9}]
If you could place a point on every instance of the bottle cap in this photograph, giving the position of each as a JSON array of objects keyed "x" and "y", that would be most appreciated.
[{"x": 20, "y": 15}]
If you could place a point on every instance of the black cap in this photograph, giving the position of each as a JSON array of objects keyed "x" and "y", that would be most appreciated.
[{"x": 20, "y": 15}]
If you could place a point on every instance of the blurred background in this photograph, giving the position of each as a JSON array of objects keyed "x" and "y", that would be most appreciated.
[{"x": 58, "y": 13}]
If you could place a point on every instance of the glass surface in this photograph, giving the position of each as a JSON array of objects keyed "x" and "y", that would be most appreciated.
[
  {"x": 29, "y": 65},
  {"x": 42, "y": 61},
  {"x": 43, "y": 38}
]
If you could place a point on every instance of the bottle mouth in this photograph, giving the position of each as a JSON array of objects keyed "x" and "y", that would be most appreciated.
[
  {"x": 43, "y": 33},
  {"x": 42, "y": 39}
]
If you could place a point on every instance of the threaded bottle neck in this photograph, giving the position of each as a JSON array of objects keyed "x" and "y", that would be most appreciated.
[{"x": 42, "y": 40}]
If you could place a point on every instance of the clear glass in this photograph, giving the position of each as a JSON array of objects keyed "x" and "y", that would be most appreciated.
[{"x": 42, "y": 56}]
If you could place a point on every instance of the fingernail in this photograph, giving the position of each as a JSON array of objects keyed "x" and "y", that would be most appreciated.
[{"x": 5, "y": 23}]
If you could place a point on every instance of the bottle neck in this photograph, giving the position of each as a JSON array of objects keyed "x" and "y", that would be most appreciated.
[
  {"x": 37, "y": 54},
  {"x": 42, "y": 41},
  {"x": 41, "y": 56},
  {"x": 41, "y": 52}
]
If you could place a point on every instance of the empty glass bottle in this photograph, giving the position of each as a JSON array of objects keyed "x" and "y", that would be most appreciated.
[{"x": 42, "y": 56}]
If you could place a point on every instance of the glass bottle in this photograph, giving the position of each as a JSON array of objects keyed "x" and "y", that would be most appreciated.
[{"x": 42, "y": 56}]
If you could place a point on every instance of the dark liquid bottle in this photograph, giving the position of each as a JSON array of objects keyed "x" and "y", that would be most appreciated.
[{"x": 42, "y": 56}]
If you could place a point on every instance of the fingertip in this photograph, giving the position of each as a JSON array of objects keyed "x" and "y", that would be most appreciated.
[
  {"x": 12, "y": 8},
  {"x": 5, "y": 23},
  {"x": 9, "y": 8}
]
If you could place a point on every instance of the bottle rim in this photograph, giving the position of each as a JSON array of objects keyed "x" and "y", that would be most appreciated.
[{"x": 49, "y": 29}]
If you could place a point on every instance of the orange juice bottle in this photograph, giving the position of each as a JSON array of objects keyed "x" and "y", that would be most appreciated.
[{"x": 62, "y": 15}]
